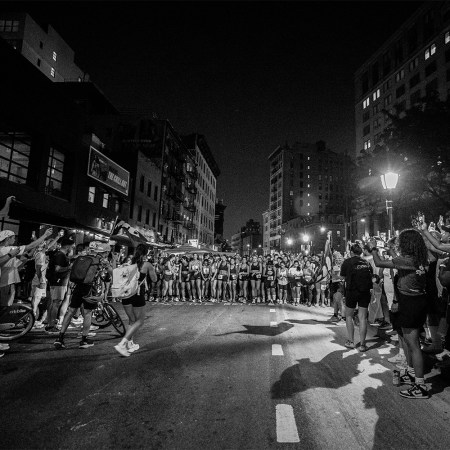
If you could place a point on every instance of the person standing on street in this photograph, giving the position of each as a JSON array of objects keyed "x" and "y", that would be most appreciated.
[
  {"x": 58, "y": 272},
  {"x": 135, "y": 305},
  {"x": 358, "y": 284}
]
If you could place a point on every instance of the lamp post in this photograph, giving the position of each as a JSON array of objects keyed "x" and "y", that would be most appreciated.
[{"x": 389, "y": 181}]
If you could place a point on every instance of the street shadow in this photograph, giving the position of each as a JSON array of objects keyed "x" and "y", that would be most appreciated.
[
  {"x": 262, "y": 330},
  {"x": 310, "y": 322},
  {"x": 391, "y": 410}
]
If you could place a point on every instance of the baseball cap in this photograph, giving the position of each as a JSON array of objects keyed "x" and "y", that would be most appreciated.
[{"x": 5, "y": 234}]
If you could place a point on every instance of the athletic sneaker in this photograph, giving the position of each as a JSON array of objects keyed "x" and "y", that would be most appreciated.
[
  {"x": 132, "y": 347},
  {"x": 51, "y": 330},
  {"x": 86, "y": 343},
  {"x": 362, "y": 348},
  {"x": 122, "y": 349},
  {"x": 415, "y": 391},
  {"x": 335, "y": 318},
  {"x": 407, "y": 379},
  {"x": 4, "y": 346},
  {"x": 384, "y": 325},
  {"x": 349, "y": 344},
  {"x": 94, "y": 328},
  {"x": 391, "y": 332},
  {"x": 59, "y": 344},
  {"x": 37, "y": 325},
  {"x": 90, "y": 334}
]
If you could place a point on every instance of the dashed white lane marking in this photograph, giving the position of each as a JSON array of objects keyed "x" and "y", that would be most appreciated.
[
  {"x": 273, "y": 324},
  {"x": 272, "y": 310},
  {"x": 286, "y": 426},
  {"x": 277, "y": 350}
]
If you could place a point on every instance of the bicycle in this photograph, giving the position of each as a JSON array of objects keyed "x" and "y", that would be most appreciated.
[
  {"x": 105, "y": 315},
  {"x": 16, "y": 321}
]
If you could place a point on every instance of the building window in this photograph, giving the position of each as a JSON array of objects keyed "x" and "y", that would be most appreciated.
[
  {"x": 91, "y": 194},
  {"x": 367, "y": 144},
  {"x": 52, "y": 72},
  {"x": 41, "y": 45},
  {"x": 376, "y": 94},
  {"x": 9, "y": 26},
  {"x": 400, "y": 75},
  {"x": 376, "y": 123},
  {"x": 365, "y": 104},
  {"x": 415, "y": 98},
  {"x": 55, "y": 171},
  {"x": 387, "y": 85},
  {"x": 139, "y": 214},
  {"x": 54, "y": 56},
  {"x": 447, "y": 37},
  {"x": 105, "y": 200},
  {"x": 154, "y": 220},
  {"x": 14, "y": 156},
  {"x": 38, "y": 62},
  {"x": 430, "y": 68},
  {"x": 430, "y": 51},
  {"x": 413, "y": 64},
  {"x": 366, "y": 130},
  {"x": 142, "y": 183},
  {"x": 149, "y": 189},
  {"x": 414, "y": 81},
  {"x": 388, "y": 100},
  {"x": 147, "y": 217},
  {"x": 376, "y": 109},
  {"x": 400, "y": 91},
  {"x": 155, "y": 195}
]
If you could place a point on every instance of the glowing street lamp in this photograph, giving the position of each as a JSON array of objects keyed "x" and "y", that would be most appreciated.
[
  {"x": 322, "y": 229},
  {"x": 389, "y": 181},
  {"x": 305, "y": 238},
  {"x": 289, "y": 241}
]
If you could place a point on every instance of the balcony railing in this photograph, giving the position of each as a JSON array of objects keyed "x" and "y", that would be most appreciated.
[
  {"x": 190, "y": 186},
  {"x": 190, "y": 207},
  {"x": 193, "y": 174}
]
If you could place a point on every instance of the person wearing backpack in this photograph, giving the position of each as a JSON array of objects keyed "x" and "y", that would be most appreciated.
[
  {"x": 58, "y": 272},
  {"x": 87, "y": 273},
  {"x": 134, "y": 306},
  {"x": 358, "y": 284}
]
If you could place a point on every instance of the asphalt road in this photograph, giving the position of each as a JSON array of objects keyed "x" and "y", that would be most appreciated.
[{"x": 217, "y": 377}]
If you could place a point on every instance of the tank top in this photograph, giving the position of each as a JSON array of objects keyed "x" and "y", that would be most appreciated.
[
  {"x": 282, "y": 276},
  {"x": 223, "y": 268},
  {"x": 254, "y": 267}
]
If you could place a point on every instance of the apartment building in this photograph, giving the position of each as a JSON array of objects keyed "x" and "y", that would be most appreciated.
[
  {"x": 305, "y": 180},
  {"x": 412, "y": 63},
  {"x": 266, "y": 232},
  {"x": 205, "y": 200},
  {"x": 41, "y": 45}
]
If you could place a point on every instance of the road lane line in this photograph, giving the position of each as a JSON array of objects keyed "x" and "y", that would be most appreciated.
[
  {"x": 272, "y": 310},
  {"x": 286, "y": 426},
  {"x": 277, "y": 350},
  {"x": 273, "y": 324}
]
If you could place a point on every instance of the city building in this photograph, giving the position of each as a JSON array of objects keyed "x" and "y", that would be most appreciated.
[
  {"x": 248, "y": 240},
  {"x": 412, "y": 63},
  {"x": 266, "y": 232},
  {"x": 236, "y": 243},
  {"x": 59, "y": 171},
  {"x": 305, "y": 180},
  {"x": 42, "y": 46},
  {"x": 205, "y": 199}
]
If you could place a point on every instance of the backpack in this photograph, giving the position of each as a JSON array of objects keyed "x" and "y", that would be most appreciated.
[
  {"x": 97, "y": 289},
  {"x": 84, "y": 269},
  {"x": 50, "y": 274},
  {"x": 125, "y": 282},
  {"x": 360, "y": 276}
]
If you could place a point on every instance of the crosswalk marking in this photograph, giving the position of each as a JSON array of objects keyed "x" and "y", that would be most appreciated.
[
  {"x": 286, "y": 426},
  {"x": 277, "y": 350},
  {"x": 272, "y": 310}
]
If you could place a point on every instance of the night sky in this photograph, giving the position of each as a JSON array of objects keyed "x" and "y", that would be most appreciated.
[{"x": 248, "y": 75}]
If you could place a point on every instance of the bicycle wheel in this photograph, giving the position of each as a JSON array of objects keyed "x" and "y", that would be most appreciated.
[
  {"x": 16, "y": 321},
  {"x": 99, "y": 319},
  {"x": 114, "y": 318}
]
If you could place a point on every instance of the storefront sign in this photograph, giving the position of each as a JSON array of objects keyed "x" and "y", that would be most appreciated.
[{"x": 103, "y": 169}]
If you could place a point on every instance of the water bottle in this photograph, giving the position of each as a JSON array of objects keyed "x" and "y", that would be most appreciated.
[{"x": 396, "y": 378}]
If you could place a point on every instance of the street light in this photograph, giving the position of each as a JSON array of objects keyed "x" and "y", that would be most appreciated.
[
  {"x": 389, "y": 181},
  {"x": 289, "y": 241},
  {"x": 322, "y": 229},
  {"x": 305, "y": 238}
]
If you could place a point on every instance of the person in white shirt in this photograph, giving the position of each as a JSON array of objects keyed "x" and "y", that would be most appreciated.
[{"x": 9, "y": 275}]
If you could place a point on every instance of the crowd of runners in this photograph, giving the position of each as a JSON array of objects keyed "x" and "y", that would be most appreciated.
[{"x": 353, "y": 284}]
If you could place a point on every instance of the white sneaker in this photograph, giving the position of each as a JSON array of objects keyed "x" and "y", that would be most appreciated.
[
  {"x": 90, "y": 334},
  {"x": 122, "y": 349},
  {"x": 94, "y": 328},
  {"x": 4, "y": 346},
  {"x": 132, "y": 347},
  {"x": 38, "y": 325}
]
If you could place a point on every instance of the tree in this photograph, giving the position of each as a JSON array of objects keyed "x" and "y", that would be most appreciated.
[{"x": 417, "y": 146}]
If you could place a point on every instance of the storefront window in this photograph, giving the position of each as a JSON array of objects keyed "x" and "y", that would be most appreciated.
[{"x": 55, "y": 171}]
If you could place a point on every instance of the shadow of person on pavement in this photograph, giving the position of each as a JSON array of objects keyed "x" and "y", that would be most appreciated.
[
  {"x": 310, "y": 322},
  {"x": 262, "y": 330}
]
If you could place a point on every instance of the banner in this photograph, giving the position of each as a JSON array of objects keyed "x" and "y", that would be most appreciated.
[{"x": 105, "y": 170}]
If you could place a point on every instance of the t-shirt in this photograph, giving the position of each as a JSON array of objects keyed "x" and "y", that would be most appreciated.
[
  {"x": 40, "y": 259},
  {"x": 57, "y": 278},
  {"x": 358, "y": 267},
  {"x": 411, "y": 280},
  {"x": 9, "y": 272}
]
